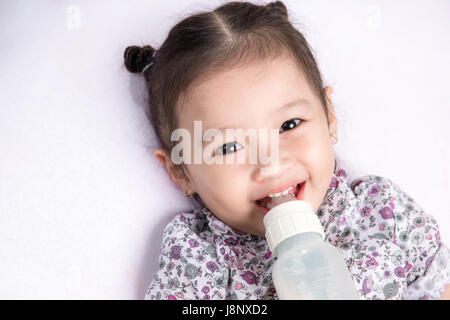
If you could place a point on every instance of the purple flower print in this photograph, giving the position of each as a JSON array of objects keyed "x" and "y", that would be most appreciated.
[
  {"x": 342, "y": 173},
  {"x": 172, "y": 297},
  {"x": 175, "y": 252},
  {"x": 249, "y": 277},
  {"x": 372, "y": 263},
  {"x": 386, "y": 213},
  {"x": 374, "y": 190},
  {"x": 210, "y": 265},
  {"x": 193, "y": 243},
  {"x": 170, "y": 266},
  {"x": 334, "y": 183},
  {"x": 231, "y": 241},
  {"x": 205, "y": 289},
  {"x": 399, "y": 272},
  {"x": 365, "y": 212},
  {"x": 367, "y": 285}
]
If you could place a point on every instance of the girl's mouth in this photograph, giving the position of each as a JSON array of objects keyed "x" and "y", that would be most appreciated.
[{"x": 266, "y": 203}]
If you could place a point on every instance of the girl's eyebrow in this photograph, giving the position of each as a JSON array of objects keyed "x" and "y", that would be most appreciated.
[
  {"x": 299, "y": 101},
  {"x": 296, "y": 102}
]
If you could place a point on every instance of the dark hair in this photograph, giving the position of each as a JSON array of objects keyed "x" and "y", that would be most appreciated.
[{"x": 209, "y": 42}]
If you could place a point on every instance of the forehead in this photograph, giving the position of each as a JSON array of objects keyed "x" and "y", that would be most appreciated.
[{"x": 244, "y": 92}]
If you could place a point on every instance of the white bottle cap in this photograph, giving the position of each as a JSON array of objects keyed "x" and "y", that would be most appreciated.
[{"x": 288, "y": 219}]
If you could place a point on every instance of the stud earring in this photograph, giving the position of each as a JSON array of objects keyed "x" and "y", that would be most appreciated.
[
  {"x": 334, "y": 136},
  {"x": 187, "y": 194}
]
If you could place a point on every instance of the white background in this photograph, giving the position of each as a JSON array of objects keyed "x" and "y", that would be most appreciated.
[{"x": 83, "y": 201}]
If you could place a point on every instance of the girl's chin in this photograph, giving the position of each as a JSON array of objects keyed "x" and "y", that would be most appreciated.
[{"x": 261, "y": 232}]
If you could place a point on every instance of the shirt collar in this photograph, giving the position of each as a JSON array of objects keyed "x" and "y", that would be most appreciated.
[
  {"x": 338, "y": 198},
  {"x": 223, "y": 228}
]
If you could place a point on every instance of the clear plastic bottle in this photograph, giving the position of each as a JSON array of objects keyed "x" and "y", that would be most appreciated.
[{"x": 307, "y": 268}]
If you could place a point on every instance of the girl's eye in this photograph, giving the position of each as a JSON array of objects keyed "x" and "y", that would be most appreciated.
[
  {"x": 291, "y": 124},
  {"x": 231, "y": 146},
  {"x": 228, "y": 146}
]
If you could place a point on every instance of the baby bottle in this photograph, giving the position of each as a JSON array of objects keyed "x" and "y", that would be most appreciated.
[{"x": 307, "y": 268}]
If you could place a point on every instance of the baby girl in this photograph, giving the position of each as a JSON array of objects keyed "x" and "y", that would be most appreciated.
[{"x": 246, "y": 66}]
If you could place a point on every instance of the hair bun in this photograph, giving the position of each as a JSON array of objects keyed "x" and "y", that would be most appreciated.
[
  {"x": 278, "y": 7},
  {"x": 136, "y": 58}
]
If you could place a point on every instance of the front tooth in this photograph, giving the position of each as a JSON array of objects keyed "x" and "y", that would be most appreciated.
[
  {"x": 279, "y": 194},
  {"x": 273, "y": 195}
]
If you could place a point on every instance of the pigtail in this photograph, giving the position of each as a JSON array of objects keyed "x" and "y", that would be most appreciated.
[
  {"x": 278, "y": 8},
  {"x": 136, "y": 58}
]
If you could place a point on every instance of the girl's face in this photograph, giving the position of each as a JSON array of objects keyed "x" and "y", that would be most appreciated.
[{"x": 251, "y": 98}]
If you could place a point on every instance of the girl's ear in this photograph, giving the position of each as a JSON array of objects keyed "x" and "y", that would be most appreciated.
[
  {"x": 332, "y": 120},
  {"x": 175, "y": 172}
]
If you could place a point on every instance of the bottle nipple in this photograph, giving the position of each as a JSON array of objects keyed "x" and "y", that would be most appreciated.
[{"x": 275, "y": 201}]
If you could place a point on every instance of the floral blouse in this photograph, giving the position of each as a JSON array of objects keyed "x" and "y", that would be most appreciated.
[{"x": 391, "y": 246}]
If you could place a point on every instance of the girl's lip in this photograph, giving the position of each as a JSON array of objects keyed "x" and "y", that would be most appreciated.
[
  {"x": 299, "y": 196},
  {"x": 279, "y": 189}
]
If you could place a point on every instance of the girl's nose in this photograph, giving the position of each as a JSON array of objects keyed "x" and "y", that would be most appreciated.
[{"x": 276, "y": 166}]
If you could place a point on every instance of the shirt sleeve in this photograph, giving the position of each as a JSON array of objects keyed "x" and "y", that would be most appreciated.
[
  {"x": 188, "y": 266},
  {"x": 427, "y": 258}
]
